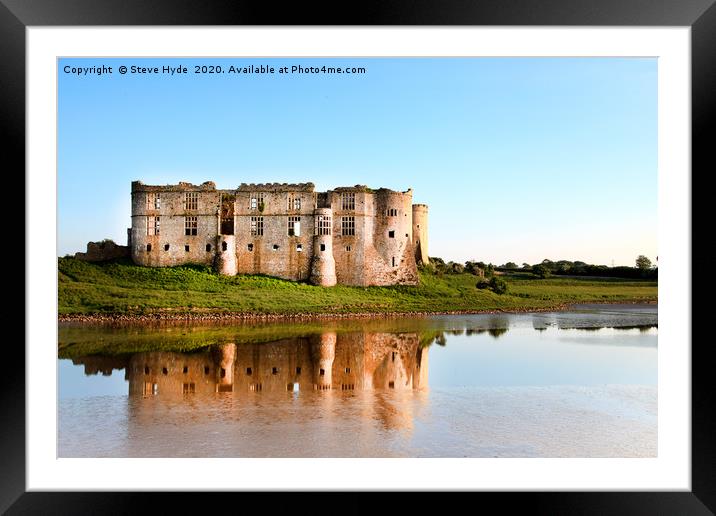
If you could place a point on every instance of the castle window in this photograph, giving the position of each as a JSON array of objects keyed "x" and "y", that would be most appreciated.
[
  {"x": 206, "y": 369},
  {"x": 298, "y": 370},
  {"x": 248, "y": 371},
  {"x": 166, "y": 247},
  {"x": 257, "y": 226},
  {"x": 185, "y": 370},
  {"x": 275, "y": 247},
  {"x": 274, "y": 370},
  {"x": 223, "y": 373},
  {"x": 257, "y": 201},
  {"x": 348, "y": 201},
  {"x": 294, "y": 202},
  {"x": 208, "y": 248},
  {"x": 165, "y": 371},
  {"x": 294, "y": 226},
  {"x": 146, "y": 369},
  {"x": 348, "y": 248},
  {"x": 190, "y": 226},
  {"x": 393, "y": 261},
  {"x": 322, "y": 372},
  {"x": 323, "y": 225},
  {"x": 153, "y": 201},
  {"x": 323, "y": 247},
  {"x": 348, "y": 369},
  {"x": 224, "y": 246},
  {"x": 186, "y": 248},
  {"x": 191, "y": 200},
  {"x": 299, "y": 247},
  {"x": 250, "y": 247},
  {"x": 392, "y": 212},
  {"x": 348, "y": 226},
  {"x": 391, "y": 385},
  {"x": 188, "y": 388},
  {"x": 227, "y": 226},
  {"x": 152, "y": 225},
  {"x": 391, "y": 234},
  {"x": 149, "y": 248}
]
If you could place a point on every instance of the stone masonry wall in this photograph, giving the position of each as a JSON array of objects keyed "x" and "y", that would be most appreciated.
[{"x": 172, "y": 246}]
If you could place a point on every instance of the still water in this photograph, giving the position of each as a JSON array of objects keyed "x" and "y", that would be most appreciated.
[{"x": 581, "y": 383}]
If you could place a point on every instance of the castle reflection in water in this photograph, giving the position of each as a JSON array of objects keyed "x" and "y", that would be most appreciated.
[{"x": 329, "y": 361}]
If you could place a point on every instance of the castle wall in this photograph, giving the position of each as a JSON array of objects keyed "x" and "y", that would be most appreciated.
[
  {"x": 103, "y": 251},
  {"x": 172, "y": 246},
  {"x": 349, "y": 251},
  {"x": 275, "y": 252}
]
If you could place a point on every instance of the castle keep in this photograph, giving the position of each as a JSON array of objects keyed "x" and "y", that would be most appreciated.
[{"x": 349, "y": 235}]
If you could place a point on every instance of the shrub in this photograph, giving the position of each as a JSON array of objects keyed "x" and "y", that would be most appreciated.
[
  {"x": 498, "y": 285},
  {"x": 473, "y": 268},
  {"x": 455, "y": 268},
  {"x": 482, "y": 283}
]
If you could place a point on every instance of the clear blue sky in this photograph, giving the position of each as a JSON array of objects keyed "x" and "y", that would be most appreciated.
[{"x": 519, "y": 159}]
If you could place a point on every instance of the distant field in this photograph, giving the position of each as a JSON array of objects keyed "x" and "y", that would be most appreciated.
[{"x": 124, "y": 288}]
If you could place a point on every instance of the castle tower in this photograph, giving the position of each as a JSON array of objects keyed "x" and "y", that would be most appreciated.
[
  {"x": 323, "y": 265},
  {"x": 392, "y": 238},
  {"x": 420, "y": 233},
  {"x": 226, "y": 255}
]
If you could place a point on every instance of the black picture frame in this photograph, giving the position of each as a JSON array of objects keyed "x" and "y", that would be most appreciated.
[{"x": 700, "y": 15}]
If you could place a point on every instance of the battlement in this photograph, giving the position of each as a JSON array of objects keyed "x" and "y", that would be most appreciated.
[
  {"x": 276, "y": 187},
  {"x": 366, "y": 189}
]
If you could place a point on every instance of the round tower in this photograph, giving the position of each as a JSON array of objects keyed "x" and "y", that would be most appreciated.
[
  {"x": 420, "y": 233},
  {"x": 323, "y": 265},
  {"x": 393, "y": 226},
  {"x": 226, "y": 255}
]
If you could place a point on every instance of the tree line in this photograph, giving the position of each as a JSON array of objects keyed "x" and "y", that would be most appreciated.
[{"x": 643, "y": 269}]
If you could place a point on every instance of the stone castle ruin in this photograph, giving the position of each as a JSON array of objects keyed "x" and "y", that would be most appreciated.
[{"x": 349, "y": 235}]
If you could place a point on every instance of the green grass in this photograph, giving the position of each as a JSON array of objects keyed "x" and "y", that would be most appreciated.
[{"x": 123, "y": 288}]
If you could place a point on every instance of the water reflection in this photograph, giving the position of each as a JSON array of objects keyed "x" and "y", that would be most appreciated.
[{"x": 327, "y": 361}]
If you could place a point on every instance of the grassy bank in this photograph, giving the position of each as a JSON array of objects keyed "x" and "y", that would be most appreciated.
[{"x": 122, "y": 288}]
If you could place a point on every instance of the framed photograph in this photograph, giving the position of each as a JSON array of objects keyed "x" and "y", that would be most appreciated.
[{"x": 417, "y": 253}]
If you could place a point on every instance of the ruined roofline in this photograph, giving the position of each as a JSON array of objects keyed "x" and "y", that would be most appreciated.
[
  {"x": 276, "y": 187},
  {"x": 138, "y": 186},
  {"x": 366, "y": 189},
  {"x": 420, "y": 206}
]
